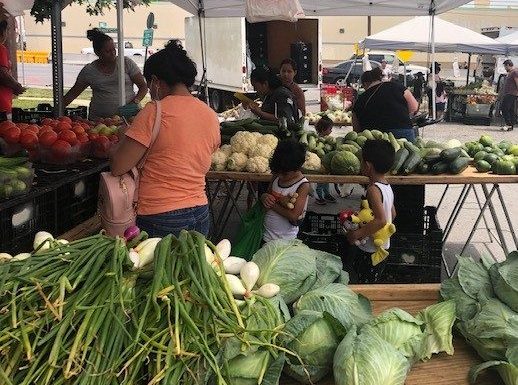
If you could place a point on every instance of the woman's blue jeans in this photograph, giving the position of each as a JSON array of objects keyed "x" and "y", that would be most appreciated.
[{"x": 172, "y": 222}]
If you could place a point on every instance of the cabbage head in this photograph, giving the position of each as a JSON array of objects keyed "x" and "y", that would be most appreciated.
[
  {"x": 290, "y": 264},
  {"x": 367, "y": 359},
  {"x": 313, "y": 336},
  {"x": 504, "y": 277},
  {"x": 339, "y": 301}
]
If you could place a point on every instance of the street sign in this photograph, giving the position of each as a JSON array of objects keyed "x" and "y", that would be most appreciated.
[
  {"x": 103, "y": 24},
  {"x": 108, "y": 30},
  {"x": 147, "y": 39},
  {"x": 404, "y": 55},
  {"x": 150, "y": 20}
]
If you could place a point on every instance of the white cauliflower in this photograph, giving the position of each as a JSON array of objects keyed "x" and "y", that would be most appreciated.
[
  {"x": 237, "y": 161},
  {"x": 258, "y": 164},
  {"x": 257, "y": 135},
  {"x": 219, "y": 160},
  {"x": 262, "y": 150},
  {"x": 227, "y": 149},
  {"x": 242, "y": 142},
  {"x": 312, "y": 163},
  {"x": 269, "y": 139}
]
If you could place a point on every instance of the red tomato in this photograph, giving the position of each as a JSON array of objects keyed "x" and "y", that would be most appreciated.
[
  {"x": 5, "y": 125},
  {"x": 47, "y": 122},
  {"x": 66, "y": 119},
  {"x": 114, "y": 138},
  {"x": 83, "y": 138},
  {"x": 47, "y": 138},
  {"x": 93, "y": 135},
  {"x": 28, "y": 140},
  {"x": 61, "y": 125},
  {"x": 61, "y": 149},
  {"x": 45, "y": 129},
  {"x": 22, "y": 126},
  {"x": 78, "y": 129},
  {"x": 33, "y": 128},
  {"x": 12, "y": 134},
  {"x": 69, "y": 136}
]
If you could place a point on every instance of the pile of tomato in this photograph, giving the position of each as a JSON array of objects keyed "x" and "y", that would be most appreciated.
[{"x": 57, "y": 141}]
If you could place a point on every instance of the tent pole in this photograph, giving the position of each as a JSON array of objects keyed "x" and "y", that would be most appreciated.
[
  {"x": 120, "y": 53},
  {"x": 404, "y": 73},
  {"x": 434, "y": 84},
  {"x": 469, "y": 65},
  {"x": 204, "y": 83},
  {"x": 57, "y": 58}
]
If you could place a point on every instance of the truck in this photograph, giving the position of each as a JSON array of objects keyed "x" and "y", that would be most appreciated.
[
  {"x": 234, "y": 47},
  {"x": 129, "y": 50}
]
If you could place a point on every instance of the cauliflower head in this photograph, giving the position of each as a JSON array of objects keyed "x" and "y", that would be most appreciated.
[
  {"x": 237, "y": 161},
  {"x": 258, "y": 164},
  {"x": 227, "y": 149},
  {"x": 268, "y": 139},
  {"x": 257, "y": 135},
  {"x": 262, "y": 150},
  {"x": 312, "y": 163},
  {"x": 242, "y": 142},
  {"x": 219, "y": 160}
]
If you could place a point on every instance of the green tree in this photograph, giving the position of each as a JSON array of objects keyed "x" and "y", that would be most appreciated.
[{"x": 42, "y": 8}]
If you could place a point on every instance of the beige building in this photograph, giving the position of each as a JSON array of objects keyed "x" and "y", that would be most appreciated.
[{"x": 339, "y": 33}]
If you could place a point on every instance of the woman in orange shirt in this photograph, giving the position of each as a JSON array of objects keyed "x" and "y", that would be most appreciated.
[{"x": 172, "y": 182}]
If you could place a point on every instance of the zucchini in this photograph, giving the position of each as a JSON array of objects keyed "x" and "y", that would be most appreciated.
[
  {"x": 352, "y": 143},
  {"x": 419, "y": 142},
  {"x": 411, "y": 163},
  {"x": 412, "y": 148},
  {"x": 351, "y": 135},
  {"x": 450, "y": 154},
  {"x": 377, "y": 134},
  {"x": 237, "y": 123},
  {"x": 312, "y": 143},
  {"x": 393, "y": 141},
  {"x": 423, "y": 168},
  {"x": 320, "y": 152},
  {"x": 459, "y": 165},
  {"x": 441, "y": 167},
  {"x": 368, "y": 134},
  {"x": 304, "y": 139},
  {"x": 432, "y": 158},
  {"x": 399, "y": 160}
]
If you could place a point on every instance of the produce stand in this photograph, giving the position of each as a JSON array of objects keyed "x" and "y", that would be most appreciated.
[
  {"x": 470, "y": 107},
  {"x": 441, "y": 369},
  {"x": 59, "y": 200},
  {"x": 230, "y": 185}
]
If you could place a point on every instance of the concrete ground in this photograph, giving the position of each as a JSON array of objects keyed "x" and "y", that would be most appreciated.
[{"x": 484, "y": 241}]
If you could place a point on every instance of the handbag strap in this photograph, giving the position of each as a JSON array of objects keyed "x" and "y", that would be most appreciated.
[{"x": 154, "y": 134}]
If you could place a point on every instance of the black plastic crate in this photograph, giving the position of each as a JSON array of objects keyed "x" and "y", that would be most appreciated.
[
  {"x": 19, "y": 224},
  {"x": 409, "y": 203},
  {"x": 410, "y": 274},
  {"x": 45, "y": 110},
  {"x": 77, "y": 202},
  {"x": 322, "y": 232}
]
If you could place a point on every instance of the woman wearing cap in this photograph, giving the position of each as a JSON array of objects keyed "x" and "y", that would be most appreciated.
[{"x": 102, "y": 77}]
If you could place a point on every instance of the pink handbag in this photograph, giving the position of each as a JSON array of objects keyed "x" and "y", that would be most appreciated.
[{"x": 118, "y": 195}]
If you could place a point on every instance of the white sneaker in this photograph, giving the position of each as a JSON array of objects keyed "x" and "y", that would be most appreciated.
[{"x": 504, "y": 128}]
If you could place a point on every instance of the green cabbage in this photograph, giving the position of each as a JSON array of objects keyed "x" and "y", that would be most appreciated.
[
  {"x": 314, "y": 337},
  {"x": 338, "y": 300},
  {"x": 367, "y": 359},
  {"x": 504, "y": 277},
  {"x": 295, "y": 267}
]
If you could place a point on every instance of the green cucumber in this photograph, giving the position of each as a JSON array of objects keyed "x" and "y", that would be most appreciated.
[
  {"x": 412, "y": 148},
  {"x": 441, "y": 167},
  {"x": 432, "y": 158},
  {"x": 459, "y": 165},
  {"x": 393, "y": 141},
  {"x": 312, "y": 143},
  {"x": 450, "y": 154},
  {"x": 411, "y": 163},
  {"x": 399, "y": 160}
]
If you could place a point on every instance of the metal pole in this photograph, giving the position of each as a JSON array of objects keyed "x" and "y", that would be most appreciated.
[
  {"x": 21, "y": 27},
  {"x": 369, "y": 25},
  {"x": 57, "y": 58},
  {"x": 120, "y": 50},
  {"x": 469, "y": 65},
  {"x": 434, "y": 85},
  {"x": 404, "y": 73}
]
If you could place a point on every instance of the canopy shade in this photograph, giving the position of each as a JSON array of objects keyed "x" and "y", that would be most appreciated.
[
  {"x": 510, "y": 41},
  {"x": 415, "y": 35},
  {"x": 236, "y": 8}
]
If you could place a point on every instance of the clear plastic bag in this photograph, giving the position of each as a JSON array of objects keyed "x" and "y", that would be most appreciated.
[{"x": 265, "y": 10}]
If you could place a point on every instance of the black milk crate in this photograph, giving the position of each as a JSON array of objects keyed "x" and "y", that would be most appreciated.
[
  {"x": 77, "y": 202},
  {"x": 19, "y": 223},
  {"x": 322, "y": 232},
  {"x": 45, "y": 110},
  {"x": 410, "y": 274}
]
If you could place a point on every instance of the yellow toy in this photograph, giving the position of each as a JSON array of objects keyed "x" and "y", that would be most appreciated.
[{"x": 364, "y": 216}]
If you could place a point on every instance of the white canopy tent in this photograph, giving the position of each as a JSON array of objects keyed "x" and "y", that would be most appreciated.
[
  {"x": 236, "y": 8},
  {"x": 510, "y": 41},
  {"x": 415, "y": 35}
]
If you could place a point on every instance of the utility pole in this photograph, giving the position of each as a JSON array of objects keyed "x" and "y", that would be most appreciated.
[{"x": 369, "y": 26}]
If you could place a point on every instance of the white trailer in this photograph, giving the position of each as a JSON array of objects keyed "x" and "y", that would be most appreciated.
[{"x": 227, "y": 41}]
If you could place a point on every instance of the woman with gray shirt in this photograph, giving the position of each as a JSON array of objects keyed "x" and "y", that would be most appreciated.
[{"x": 102, "y": 77}]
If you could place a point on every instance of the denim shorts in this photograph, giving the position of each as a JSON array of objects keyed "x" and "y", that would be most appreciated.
[{"x": 172, "y": 222}]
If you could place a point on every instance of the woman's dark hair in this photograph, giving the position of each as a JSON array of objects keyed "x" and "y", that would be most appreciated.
[
  {"x": 289, "y": 155},
  {"x": 372, "y": 75},
  {"x": 97, "y": 38},
  {"x": 323, "y": 124},
  {"x": 291, "y": 62},
  {"x": 3, "y": 26},
  {"x": 380, "y": 154},
  {"x": 263, "y": 75},
  {"x": 437, "y": 68},
  {"x": 171, "y": 65}
]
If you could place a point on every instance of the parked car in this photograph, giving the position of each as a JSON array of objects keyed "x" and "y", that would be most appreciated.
[
  {"x": 129, "y": 50},
  {"x": 389, "y": 57},
  {"x": 337, "y": 74}
]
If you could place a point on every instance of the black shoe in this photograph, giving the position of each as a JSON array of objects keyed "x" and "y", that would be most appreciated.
[
  {"x": 330, "y": 199},
  {"x": 510, "y": 128},
  {"x": 321, "y": 202}
]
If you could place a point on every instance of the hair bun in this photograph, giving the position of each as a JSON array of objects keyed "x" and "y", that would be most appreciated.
[
  {"x": 91, "y": 34},
  {"x": 175, "y": 46}
]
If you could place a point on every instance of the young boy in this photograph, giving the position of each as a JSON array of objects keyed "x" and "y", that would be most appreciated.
[
  {"x": 281, "y": 222},
  {"x": 377, "y": 159},
  {"x": 324, "y": 127}
]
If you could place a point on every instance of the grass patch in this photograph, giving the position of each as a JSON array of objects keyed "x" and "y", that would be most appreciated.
[{"x": 42, "y": 93}]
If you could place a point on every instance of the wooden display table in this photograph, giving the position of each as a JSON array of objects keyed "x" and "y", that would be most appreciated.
[
  {"x": 441, "y": 369},
  {"x": 230, "y": 185}
]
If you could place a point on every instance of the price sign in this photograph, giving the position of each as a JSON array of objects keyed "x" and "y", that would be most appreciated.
[{"x": 147, "y": 39}]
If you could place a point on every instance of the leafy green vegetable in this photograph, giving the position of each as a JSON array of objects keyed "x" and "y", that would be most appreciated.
[
  {"x": 438, "y": 320},
  {"x": 329, "y": 268},
  {"x": 339, "y": 301},
  {"x": 504, "y": 277},
  {"x": 367, "y": 359},
  {"x": 314, "y": 337},
  {"x": 289, "y": 264}
]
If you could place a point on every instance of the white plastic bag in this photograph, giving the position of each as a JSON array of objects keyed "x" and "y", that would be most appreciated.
[{"x": 265, "y": 10}]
